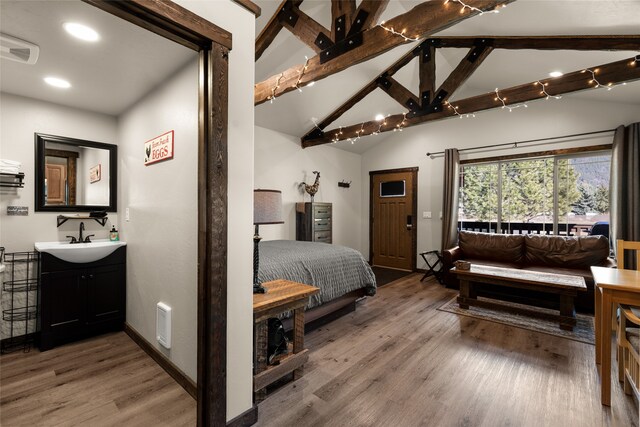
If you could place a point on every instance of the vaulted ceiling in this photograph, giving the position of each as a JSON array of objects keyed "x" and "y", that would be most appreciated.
[{"x": 293, "y": 112}]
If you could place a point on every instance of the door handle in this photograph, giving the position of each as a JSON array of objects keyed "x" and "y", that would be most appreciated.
[{"x": 409, "y": 222}]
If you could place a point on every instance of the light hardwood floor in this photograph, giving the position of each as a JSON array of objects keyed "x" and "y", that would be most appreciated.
[
  {"x": 103, "y": 381},
  {"x": 396, "y": 361}
]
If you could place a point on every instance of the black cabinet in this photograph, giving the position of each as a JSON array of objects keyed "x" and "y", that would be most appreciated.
[
  {"x": 81, "y": 300},
  {"x": 314, "y": 222}
]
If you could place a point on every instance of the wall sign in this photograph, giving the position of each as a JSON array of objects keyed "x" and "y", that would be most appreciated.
[
  {"x": 159, "y": 148},
  {"x": 17, "y": 210},
  {"x": 95, "y": 173}
]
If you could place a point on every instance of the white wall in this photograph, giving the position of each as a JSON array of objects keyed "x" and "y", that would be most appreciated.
[
  {"x": 20, "y": 118},
  {"x": 541, "y": 119},
  {"x": 241, "y": 23},
  {"x": 161, "y": 236},
  {"x": 94, "y": 193},
  {"x": 282, "y": 164}
]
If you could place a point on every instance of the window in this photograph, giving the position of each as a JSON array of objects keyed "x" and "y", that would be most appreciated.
[
  {"x": 563, "y": 195},
  {"x": 392, "y": 189}
]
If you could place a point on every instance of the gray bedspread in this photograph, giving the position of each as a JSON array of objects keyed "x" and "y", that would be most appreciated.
[{"x": 336, "y": 270}]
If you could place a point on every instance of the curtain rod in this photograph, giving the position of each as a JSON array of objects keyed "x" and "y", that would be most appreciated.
[{"x": 515, "y": 144}]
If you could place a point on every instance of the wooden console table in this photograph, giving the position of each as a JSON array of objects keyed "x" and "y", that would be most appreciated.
[
  {"x": 281, "y": 296},
  {"x": 567, "y": 287}
]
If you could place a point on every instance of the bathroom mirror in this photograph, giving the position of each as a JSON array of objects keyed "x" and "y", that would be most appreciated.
[{"x": 74, "y": 174}]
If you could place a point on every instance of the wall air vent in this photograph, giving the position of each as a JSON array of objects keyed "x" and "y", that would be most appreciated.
[{"x": 18, "y": 50}]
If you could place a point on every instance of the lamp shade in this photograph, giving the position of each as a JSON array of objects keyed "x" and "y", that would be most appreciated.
[{"x": 267, "y": 207}]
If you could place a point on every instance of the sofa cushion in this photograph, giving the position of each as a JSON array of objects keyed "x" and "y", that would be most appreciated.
[
  {"x": 568, "y": 252},
  {"x": 508, "y": 248}
]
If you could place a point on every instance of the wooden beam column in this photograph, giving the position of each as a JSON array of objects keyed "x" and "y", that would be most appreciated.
[
  {"x": 342, "y": 12},
  {"x": 427, "y": 71}
]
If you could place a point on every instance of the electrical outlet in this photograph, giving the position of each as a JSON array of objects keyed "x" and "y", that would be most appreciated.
[{"x": 126, "y": 215}]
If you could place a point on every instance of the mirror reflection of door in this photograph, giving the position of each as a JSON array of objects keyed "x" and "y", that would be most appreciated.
[
  {"x": 61, "y": 176},
  {"x": 55, "y": 184}
]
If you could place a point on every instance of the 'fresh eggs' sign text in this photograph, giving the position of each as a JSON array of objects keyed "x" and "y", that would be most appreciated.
[{"x": 159, "y": 148}]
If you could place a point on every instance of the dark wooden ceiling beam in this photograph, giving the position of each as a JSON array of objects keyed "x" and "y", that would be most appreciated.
[
  {"x": 346, "y": 106},
  {"x": 427, "y": 73},
  {"x": 462, "y": 72},
  {"x": 424, "y": 19},
  {"x": 612, "y": 73},
  {"x": 605, "y": 42},
  {"x": 404, "y": 60},
  {"x": 371, "y": 11},
  {"x": 271, "y": 30},
  {"x": 398, "y": 92},
  {"x": 342, "y": 13},
  {"x": 304, "y": 27}
]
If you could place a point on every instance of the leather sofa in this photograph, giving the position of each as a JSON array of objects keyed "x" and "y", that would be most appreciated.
[{"x": 533, "y": 252}]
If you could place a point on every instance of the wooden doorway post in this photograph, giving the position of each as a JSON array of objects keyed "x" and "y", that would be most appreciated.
[{"x": 213, "y": 43}]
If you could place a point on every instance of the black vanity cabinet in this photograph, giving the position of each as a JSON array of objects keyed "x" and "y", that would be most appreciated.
[{"x": 81, "y": 300}]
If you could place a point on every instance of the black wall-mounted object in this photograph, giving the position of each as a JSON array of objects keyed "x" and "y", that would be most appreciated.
[
  {"x": 344, "y": 184},
  {"x": 41, "y": 141}
]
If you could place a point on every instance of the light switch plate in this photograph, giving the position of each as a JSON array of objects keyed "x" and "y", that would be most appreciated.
[
  {"x": 426, "y": 215},
  {"x": 126, "y": 214}
]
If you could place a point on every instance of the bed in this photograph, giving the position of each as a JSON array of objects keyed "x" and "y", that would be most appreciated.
[{"x": 341, "y": 273}]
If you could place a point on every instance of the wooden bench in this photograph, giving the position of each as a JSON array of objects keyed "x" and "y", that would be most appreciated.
[{"x": 565, "y": 286}]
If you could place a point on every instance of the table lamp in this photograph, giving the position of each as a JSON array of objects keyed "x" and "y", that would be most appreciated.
[{"x": 267, "y": 209}]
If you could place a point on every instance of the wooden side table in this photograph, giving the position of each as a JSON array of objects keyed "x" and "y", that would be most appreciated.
[{"x": 281, "y": 296}]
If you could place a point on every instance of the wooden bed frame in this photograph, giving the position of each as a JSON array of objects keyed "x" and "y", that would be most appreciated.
[{"x": 325, "y": 313}]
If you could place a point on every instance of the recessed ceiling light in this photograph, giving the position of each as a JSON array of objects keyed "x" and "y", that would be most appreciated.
[
  {"x": 379, "y": 117},
  {"x": 556, "y": 73},
  {"x": 81, "y": 32},
  {"x": 56, "y": 82}
]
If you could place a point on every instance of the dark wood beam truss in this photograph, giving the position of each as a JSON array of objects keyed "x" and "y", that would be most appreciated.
[
  {"x": 605, "y": 75},
  {"x": 605, "y": 42},
  {"x": 361, "y": 44},
  {"x": 273, "y": 27},
  {"x": 342, "y": 12}
]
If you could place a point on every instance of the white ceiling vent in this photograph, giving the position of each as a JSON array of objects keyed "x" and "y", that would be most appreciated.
[{"x": 18, "y": 50}]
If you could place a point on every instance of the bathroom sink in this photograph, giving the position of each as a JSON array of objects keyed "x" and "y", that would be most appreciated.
[{"x": 79, "y": 252}]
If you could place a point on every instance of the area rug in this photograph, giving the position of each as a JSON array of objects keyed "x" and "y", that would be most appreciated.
[
  {"x": 582, "y": 332},
  {"x": 384, "y": 276}
]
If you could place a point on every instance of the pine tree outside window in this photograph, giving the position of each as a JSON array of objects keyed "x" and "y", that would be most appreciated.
[{"x": 562, "y": 195}]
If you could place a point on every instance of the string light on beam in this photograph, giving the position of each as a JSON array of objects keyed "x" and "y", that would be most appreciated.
[
  {"x": 401, "y": 34},
  {"x": 382, "y": 121},
  {"x": 304, "y": 69},
  {"x": 504, "y": 104},
  {"x": 358, "y": 134},
  {"x": 402, "y": 124},
  {"x": 455, "y": 110},
  {"x": 597, "y": 83},
  {"x": 544, "y": 90},
  {"x": 274, "y": 89},
  {"x": 336, "y": 137},
  {"x": 472, "y": 8}
]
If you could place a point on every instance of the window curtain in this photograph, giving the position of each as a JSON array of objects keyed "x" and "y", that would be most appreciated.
[
  {"x": 450, "y": 198},
  {"x": 624, "y": 192}
]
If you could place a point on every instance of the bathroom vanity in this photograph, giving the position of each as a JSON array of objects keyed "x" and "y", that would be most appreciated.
[{"x": 80, "y": 299}]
